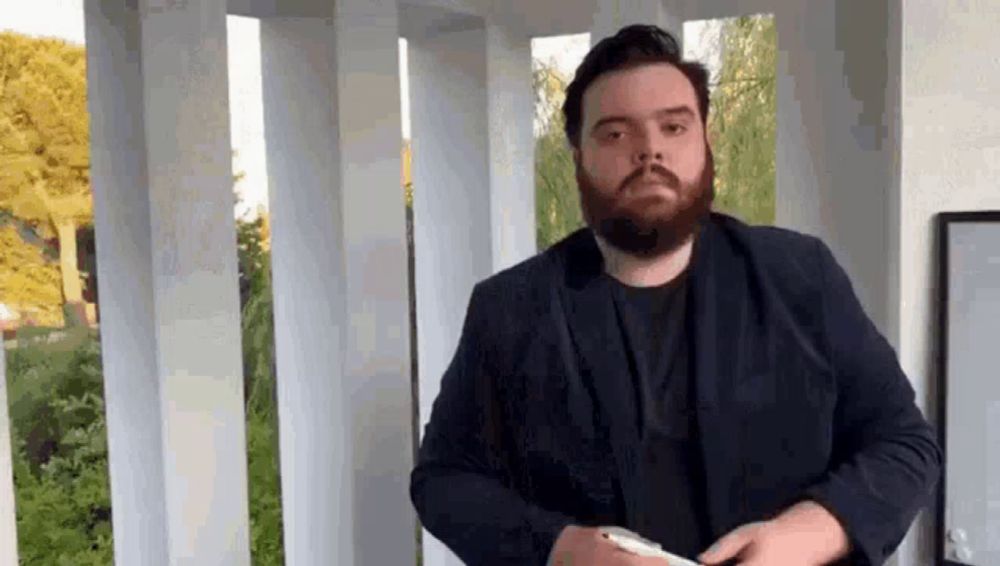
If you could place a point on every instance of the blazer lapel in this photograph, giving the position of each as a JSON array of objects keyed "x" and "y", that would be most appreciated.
[
  {"x": 593, "y": 325},
  {"x": 719, "y": 317}
]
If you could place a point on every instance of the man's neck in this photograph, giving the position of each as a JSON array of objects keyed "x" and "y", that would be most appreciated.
[{"x": 645, "y": 271}]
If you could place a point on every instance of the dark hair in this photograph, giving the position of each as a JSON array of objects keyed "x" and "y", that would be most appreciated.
[{"x": 632, "y": 46}]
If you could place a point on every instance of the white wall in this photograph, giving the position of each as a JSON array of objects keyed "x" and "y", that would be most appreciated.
[
  {"x": 949, "y": 160},
  {"x": 950, "y": 152}
]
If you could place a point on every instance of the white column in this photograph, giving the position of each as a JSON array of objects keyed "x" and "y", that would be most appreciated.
[
  {"x": 452, "y": 236},
  {"x": 307, "y": 277},
  {"x": 473, "y": 179},
  {"x": 377, "y": 361},
  {"x": 8, "y": 518},
  {"x": 510, "y": 107},
  {"x": 166, "y": 246},
  {"x": 612, "y": 15},
  {"x": 332, "y": 123},
  {"x": 125, "y": 283}
]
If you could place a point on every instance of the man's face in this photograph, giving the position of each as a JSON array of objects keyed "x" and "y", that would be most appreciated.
[{"x": 643, "y": 166}]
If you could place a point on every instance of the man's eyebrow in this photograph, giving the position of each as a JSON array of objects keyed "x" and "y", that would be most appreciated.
[
  {"x": 608, "y": 120},
  {"x": 682, "y": 111}
]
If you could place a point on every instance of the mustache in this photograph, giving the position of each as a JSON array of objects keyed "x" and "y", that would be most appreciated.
[{"x": 668, "y": 177}]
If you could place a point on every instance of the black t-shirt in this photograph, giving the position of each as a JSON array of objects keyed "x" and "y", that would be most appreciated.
[{"x": 653, "y": 322}]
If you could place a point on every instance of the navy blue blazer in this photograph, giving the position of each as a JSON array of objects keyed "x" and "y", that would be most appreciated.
[{"x": 798, "y": 397}]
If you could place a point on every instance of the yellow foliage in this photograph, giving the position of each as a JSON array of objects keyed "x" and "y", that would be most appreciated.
[
  {"x": 29, "y": 284},
  {"x": 265, "y": 228},
  {"x": 44, "y": 132},
  {"x": 44, "y": 168},
  {"x": 407, "y": 174}
]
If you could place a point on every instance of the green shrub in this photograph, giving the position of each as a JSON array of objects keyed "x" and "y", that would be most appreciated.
[
  {"x": 59, "y": 440},
  {"x": 60, "y": 452},
  {"x": 266, "y": 545},
  {"x": 265, "y": 495}
]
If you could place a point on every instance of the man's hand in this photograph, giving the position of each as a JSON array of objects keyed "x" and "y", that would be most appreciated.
[
  {"x": 804, "y": 535},
  {"x": 585, "y": 546}
]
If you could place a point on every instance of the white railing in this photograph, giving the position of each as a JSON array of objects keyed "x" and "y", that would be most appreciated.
[{"x": 8, "y": 517}]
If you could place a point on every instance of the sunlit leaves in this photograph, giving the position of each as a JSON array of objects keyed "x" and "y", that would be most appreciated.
[{"x": 742, "y": 121}]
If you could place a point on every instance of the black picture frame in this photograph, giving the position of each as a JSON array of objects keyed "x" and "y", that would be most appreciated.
[{"x": 943, "y": 223}]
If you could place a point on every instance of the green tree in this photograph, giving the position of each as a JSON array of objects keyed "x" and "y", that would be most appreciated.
[
  {"x": 44, "y": 152},
  {"x": 59, "y": 441},
  {"x": 742, "y": 123},
  {"x": 557, "y": 200}
]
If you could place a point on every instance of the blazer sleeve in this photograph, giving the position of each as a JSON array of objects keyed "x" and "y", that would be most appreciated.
[
  {"x": 458, "y": 486},
  {"x": 886, "y": 462}
]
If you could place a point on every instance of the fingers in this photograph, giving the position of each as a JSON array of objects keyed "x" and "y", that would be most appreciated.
[{"x": 729, "y": 546}]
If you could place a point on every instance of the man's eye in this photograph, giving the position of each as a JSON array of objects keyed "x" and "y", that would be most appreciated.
[
  {"x": 675, "y": 129},
  {"x": 615, "y": 135}
]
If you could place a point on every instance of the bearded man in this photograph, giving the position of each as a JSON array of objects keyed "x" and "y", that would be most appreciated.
[{"x": 669, "y": 370}]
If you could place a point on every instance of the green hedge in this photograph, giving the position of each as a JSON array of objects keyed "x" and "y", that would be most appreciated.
[
  {"x": 60, "y": 452},
  {"x": 59, "y": 440},
  {"x": 60, "y": 448}
]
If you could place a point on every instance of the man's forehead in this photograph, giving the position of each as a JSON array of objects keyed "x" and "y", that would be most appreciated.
[{"x": 641, "y": 90}]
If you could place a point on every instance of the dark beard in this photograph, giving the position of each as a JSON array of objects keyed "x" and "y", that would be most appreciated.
[{"x": 648, "y": 237}]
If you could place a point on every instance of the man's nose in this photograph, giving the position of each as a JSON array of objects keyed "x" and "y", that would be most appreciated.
[
  {"x": 644, "y": 156},
  {"x": 649, "y": 149}
]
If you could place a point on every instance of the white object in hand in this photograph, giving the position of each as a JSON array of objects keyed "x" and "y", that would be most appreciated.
[{"x": 630, "y": 542}]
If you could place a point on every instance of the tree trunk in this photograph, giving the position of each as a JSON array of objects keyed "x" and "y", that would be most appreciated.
[{"x": 72, "y": 288}]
